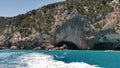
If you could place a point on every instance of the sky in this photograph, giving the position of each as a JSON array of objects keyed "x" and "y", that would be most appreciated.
[{"x": 9, "y": 8}]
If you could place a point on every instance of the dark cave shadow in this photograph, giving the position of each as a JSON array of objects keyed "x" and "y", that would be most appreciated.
[
  {"x": 106, "y": 46},
  {"x": 68, "y": 45}
]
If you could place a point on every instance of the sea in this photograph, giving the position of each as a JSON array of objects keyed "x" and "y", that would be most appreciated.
[{"x": 59, "y": 59}]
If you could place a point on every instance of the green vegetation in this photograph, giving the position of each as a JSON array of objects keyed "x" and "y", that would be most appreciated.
[
  {"x": 42, "y": 19},
  {"x": 97, "y": 25},
  {"x": 94, "y": 7}
]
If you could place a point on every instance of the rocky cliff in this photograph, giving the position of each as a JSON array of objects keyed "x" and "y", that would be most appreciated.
[{"x": 72, "y": 24}]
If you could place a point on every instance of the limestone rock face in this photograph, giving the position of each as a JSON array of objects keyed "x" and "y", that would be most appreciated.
[
  {"x": 13, "y": 47},
  {"x": 74, "y": 30},
  {"x": 2, "y": 40},
  {"x": 16, "y": 37},
  {"x": 107, "y": 42},
  {"x": 72, "y": 24},
  {"x": 111, "y": 21}
]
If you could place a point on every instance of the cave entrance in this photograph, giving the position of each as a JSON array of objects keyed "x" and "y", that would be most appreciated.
[
  {"x": 67, "y": 45},
  {"x": 104, "y": 46}
]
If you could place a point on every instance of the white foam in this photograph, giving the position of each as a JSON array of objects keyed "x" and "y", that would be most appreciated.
[
  {"x": 5, "y": 55},
  {"x": 37, "y": 60}
]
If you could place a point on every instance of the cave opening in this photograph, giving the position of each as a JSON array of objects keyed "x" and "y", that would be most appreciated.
[
  {"x": 104, "y": 46},
  {"x": 117, "y": 48},
  {"x": 67, "y": 45}
]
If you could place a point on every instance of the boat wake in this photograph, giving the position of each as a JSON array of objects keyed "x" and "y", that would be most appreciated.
[{"x": 38, "y": 60}]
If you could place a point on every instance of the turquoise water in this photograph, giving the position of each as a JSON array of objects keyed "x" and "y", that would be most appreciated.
[{"x": 25, "y": 58}]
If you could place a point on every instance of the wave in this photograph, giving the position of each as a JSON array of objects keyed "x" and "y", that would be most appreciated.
[{"x": 39, "y": 60}]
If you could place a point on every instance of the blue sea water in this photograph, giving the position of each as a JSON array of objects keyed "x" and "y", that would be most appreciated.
[{"x": 59, "y": 59}]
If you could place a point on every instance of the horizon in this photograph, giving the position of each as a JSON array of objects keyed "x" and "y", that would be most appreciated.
[{"x": 15, "y": 7}]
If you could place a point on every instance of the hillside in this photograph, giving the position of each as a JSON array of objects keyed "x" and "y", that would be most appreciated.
[{"x": 73, "y": 24}]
